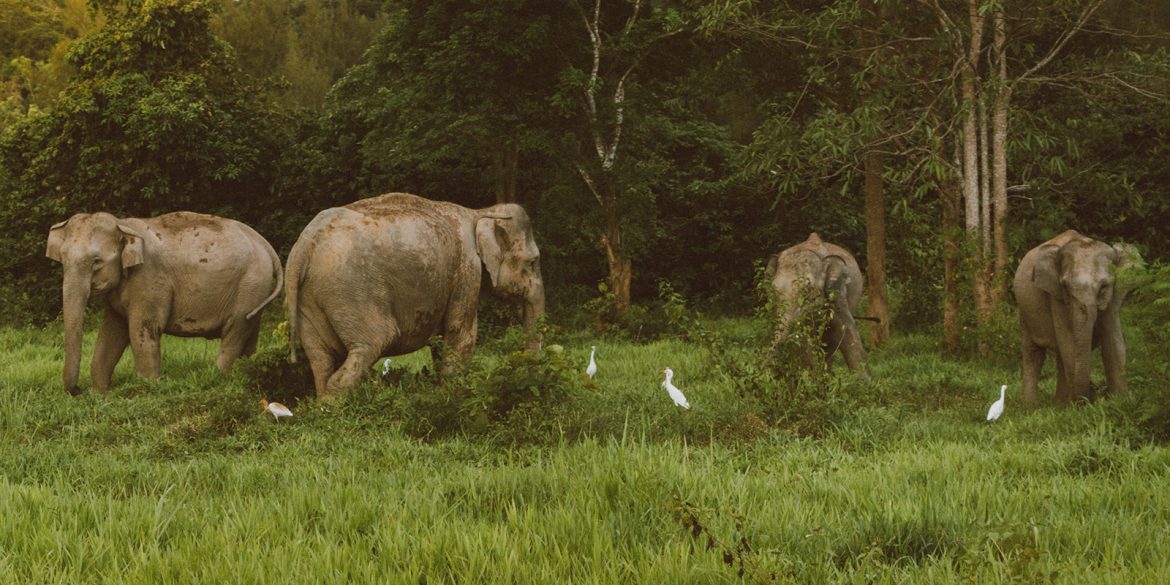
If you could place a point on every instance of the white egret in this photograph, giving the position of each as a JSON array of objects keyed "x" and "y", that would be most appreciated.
[
  {"x": 277, "y": 409},
  {"x": 386, "y": 367},
  {"x": 675, "y": 393},
  {"x": 997, "y": 407},
  {"x": 592, "y": 368}
]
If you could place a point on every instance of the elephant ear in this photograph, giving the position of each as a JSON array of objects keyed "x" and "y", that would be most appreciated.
[
  {"x": 131, "y": 246},
  {"x": 773, "y": 264},
  {"x": 489, "y": 239},
  {"x": 1046, "y": 271},
  {"x": 56, "y": 240},
  {"x": 1130, "y": 268},
  {"x": 836, "y": 276}
]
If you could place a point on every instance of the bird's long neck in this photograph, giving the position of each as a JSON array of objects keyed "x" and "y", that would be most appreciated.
[{"x": 1002, "y": 392}]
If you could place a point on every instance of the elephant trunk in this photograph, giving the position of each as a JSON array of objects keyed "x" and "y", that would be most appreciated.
[
  {"x": 533, "y": 309},
  {"x": 74, "y": 296},
  {"x": 1085, "y": 315}
]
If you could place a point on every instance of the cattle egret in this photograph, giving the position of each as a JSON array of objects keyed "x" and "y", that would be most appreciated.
[
  {"x": 997, "y": 407},
  {"x": 592, "y": 369},
  {"x": 277, "y": 409},
  {"x": 675, "y": 393},
  {"x": 386, "y": 368}
]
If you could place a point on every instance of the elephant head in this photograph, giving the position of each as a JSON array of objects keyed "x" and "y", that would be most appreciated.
[
  {"x": 96, "y": 252},
  {"x": 507, "y": 247},
  {"x": 1085, "y": 278},
  {"x": 800, "y": 280}
]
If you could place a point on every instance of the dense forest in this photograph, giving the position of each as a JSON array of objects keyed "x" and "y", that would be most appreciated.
[{"x": 650, "y": 140}]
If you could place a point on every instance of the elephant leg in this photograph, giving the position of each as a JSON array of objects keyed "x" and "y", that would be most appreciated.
[
  {"x": 844, "y": 337},
  {"x": 459, "y": 333},
  {"x": 1112, "y": 344},
  {"x": 231, "y": 344},
  {"x": 112, "y": 339},
  {"x": 356, "y": 365},
  {"x": 253, "y": 337},
  {"x": 1033, "y": 363},
  {"x": 145, "y": 336},
  {"x": 322, "y": 363},
  {"x": 852, "y": 349},
  {"x": 1063, "y": 379}
]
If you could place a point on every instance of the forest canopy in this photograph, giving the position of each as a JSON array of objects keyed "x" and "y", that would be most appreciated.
[{"x": 650, "y": 140}]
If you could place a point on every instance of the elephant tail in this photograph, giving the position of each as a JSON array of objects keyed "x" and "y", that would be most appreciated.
[
  {"x": 279, "y": 270},
  {"x": 297, "y": 268}
]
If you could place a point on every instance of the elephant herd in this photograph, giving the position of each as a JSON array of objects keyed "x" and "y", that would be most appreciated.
[{"x": 384, "y": 275}]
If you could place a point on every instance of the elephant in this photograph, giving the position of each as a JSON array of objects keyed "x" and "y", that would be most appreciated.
[
  {"x": 1069, "y": 292},
  {"x": 803, "y": 276},
  {"x": 184, "y": 274},
  {"x": 382, "y": 276}
]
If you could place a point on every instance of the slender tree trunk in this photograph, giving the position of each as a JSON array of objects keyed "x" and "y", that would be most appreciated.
[
  {"x": 974, "y": 164},
  {"x": 981, "y": 271},
  {"x": 875, "y": 247},
  {"x": 505, "y": 160},
  {"x": 621, "y": 268},
  {"x": 999, "y": 129},
  {"x": 951, "y": 235}
]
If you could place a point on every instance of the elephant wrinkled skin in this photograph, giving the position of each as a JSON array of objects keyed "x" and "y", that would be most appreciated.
[
  {"x": 185, "y": 274},
  {"x": 381, "y": 276},
  {"x": 801, "y": 278},
  {"x": 1069, "y": 294}
]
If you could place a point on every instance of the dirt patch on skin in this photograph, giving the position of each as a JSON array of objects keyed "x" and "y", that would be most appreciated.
[{"x": 187, "y": 220}]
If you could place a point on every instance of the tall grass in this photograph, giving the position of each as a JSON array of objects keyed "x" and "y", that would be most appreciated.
[{"x": 186, "y": 480}]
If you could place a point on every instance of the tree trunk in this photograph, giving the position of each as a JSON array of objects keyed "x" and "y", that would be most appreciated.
[
  {"x": 999, "y": 129},
  {"x": 875, "y": 248},
  {"x": 620, "y": 265},
  {"x": 505, "y": 160},
  {"x": 972, "y": 193},
  {"x": 951, "y": 235}
]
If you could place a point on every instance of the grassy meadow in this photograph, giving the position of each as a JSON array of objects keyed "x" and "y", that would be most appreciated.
[{"x": 186, "y": 480}]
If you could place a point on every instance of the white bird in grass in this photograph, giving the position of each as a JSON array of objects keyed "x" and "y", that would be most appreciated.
[
  {"x": 997, "y": 407},
  {"x": 386, "y": 368},
  {"x": 592, "y": 368},
  {"x": 675, "y": 393},
  {"x": 277, "y": 409}
]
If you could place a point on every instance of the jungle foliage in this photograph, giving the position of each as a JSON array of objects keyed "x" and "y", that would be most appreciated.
[{"x": 727, "y": 130}]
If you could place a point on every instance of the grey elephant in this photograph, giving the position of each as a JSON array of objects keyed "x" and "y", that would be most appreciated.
[
  {"x": 807, "y": 274},
  {"x": 382, "y": 276},
  {"x": 184, "y": 274},
  {"x": 1069, "y": 292}
]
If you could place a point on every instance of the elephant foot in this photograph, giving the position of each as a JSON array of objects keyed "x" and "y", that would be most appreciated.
[{"x": 74, "y": 391}]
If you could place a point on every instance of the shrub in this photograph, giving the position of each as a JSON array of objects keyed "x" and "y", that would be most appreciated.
[
  {"x": 268, "y": 374},
  {"x": 521, "y": 399},
  {"x": 785, "y": 394},
  {"x": 636, "y": 323}
]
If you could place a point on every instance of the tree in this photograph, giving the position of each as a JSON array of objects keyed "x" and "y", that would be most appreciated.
[
  {"x": 155, "y": 120},
  {"x": 301, "y": 48},
  {"x": 456, "y": 85},
  {"x": 595, "y": 84}
]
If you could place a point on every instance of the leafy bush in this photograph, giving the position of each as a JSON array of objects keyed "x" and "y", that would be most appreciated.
[
  {"x": 521, "y": 399},
  {"x": 268, "y": 374},
  {"x": 779, "y": 393},
  {"x": 636, "y": 323}
]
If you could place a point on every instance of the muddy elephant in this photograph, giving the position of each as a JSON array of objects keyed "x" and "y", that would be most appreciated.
[
  {"x": 1069, "y": 292},
  {"x": 184, "y": 274},
  {"x": 805, "y": 277},
  {"x": 382, "y": 276}
]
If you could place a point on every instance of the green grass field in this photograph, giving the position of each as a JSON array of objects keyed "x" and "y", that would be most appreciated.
[{"x": 186, "y": 480}]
